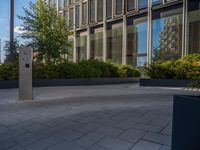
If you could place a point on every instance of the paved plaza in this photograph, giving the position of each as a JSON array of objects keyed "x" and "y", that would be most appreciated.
[{"x": 106, "y": 117}]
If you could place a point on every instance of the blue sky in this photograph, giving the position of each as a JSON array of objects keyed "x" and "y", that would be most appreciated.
[{"x": 4, "y": 18}]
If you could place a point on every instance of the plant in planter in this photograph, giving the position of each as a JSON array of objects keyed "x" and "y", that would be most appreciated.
[{"x": 186, "y": 121}]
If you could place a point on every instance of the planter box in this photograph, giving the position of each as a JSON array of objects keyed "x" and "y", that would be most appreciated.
[
  {"x": 186, "y": 123},
  {"x": 8, "y": 84},
  {"x": 165, "y": 82}
]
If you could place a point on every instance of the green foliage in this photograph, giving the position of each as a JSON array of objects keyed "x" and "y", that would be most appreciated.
[
  {"x": 184, "y": 68},
  {"x": 129, "y": 71},
  {"x": 84, "y": 69},
  {"x": 9, "y": 71},
  {"x": 16, "y": 46},
  {"x": 46, "y": 31}
]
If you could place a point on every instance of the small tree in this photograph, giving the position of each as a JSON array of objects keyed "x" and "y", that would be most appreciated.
[
  {"x": 16, "y": 46},
  {"x": 48, "y": 32}
]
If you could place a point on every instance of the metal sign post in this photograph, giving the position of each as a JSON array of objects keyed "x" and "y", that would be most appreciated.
[{"x": 25, "y": 73}]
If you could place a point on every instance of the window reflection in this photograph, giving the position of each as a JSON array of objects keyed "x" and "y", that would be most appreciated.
[
  {"x": 96, "y": 45},
  {"x": 137, "y": 42},
  {"x": 81, "y": 47},
  {"x": 114, "y": 43},
  {"x": 167, "y": 35},
  {"x": 194, "y": 26}
]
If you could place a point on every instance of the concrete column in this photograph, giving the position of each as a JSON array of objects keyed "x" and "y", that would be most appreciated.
[
  {"x": 124, "y": 40},
  {"x": 74, "y": 29},
  {"x": 74, "y": 47},
  {"x": 185, "y": 38},
  {"x": 25, "y": 73},
  {"x": 88, "y": 43},
  {"x": 104, "y": 31},
  {"x": 149, "y": 33}
]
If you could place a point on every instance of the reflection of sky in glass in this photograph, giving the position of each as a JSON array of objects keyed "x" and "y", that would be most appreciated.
[
  {"x": 142, "y": 38},
  {"x": 158, "y": 26},
  {"x": 5, "y": 22}
]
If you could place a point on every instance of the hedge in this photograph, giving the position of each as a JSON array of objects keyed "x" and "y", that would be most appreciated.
[
  {"x": 183, "y": 68},
  {"x": 84, "y": 69}
]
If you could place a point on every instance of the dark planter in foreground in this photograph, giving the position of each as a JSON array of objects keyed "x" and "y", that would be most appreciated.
[
  {"x": 186, "y": 123},
  {"x": 9, "y": 84},
  {"x": 164, "y": 82}
]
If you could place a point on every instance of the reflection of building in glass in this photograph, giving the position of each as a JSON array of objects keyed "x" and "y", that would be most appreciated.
[
  {"x": 126, "y": 31},
  {"x": 170, "y": 39}
]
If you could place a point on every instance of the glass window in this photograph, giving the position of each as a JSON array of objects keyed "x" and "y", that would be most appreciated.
[
  {"x": 71, "y": 16},
  {"x": 66, "y": 16},
  {"x": 194, "y": 26},
  {"x": 65, "y": 3},
  {"x": 77, "y": 16},
  {"x": 156, "y": 2},
  {"x": 99, "y": 10},
  {"x": 108, "y": 9},
  {"x": 84, "y": 13},
  {"x": 137, "y": 42},
  {"x": 70, "y": 2},
  {"x": 60, "y": 4},
  {"x": 130, "y": 5},
  {"x": 96, "y": 45},
  {"x": 143, "y": 4},
  {"x": 167, "y": 35},
  {"x": 81, "y": 48},
  {"x": 92, "y": 10},
  {"x": 114, "y": 44},
  {"x": 118, "y": 6}
]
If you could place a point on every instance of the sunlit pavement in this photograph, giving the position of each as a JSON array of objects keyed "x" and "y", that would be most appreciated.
[{"x": 108, "y": 117}]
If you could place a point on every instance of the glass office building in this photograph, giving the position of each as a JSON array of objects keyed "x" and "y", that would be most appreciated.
[{"x": 132, "y": 32}]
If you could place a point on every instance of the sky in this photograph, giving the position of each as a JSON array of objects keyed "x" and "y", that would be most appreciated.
[{"x": 4, "y": 19}]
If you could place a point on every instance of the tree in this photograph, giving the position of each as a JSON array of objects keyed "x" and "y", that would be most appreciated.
[
  {"x": 16, "y": 46},
  {"x": 48, "y": 32}
]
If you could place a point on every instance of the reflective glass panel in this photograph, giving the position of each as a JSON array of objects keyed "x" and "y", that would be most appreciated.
[
  {"x": 99, "y": 10},
  {"x": 167, "y": 35},
  {"x": 118, "y": 6},
  {"x": 92, "y": 10},
  {"x": 96, "y": 45},
  {"x": 114, "y": 44},
  {"x": 137, "y": 42},
  {"x": 81, "y": 48},
  {"x": 194, "y": 26},
  {"x": 84, "y": 13},
  {"x": 109, "y": 9}
]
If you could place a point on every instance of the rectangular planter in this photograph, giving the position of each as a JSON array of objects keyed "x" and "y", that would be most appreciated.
[
  {"x": 164, "y": 82},
  {"x": 9, "y": 84},
  {"x": 186, "y": 123}
]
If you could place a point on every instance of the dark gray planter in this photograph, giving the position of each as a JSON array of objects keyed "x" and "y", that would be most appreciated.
[
  {"x": 164, "y": 82},
  {"x": 186, "y": 123},
  {"x": 9, "y": 84}
]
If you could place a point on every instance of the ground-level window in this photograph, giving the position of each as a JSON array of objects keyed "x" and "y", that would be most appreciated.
[
  {"x": 137, "y": 42},
  {"x": 194, "y": 26},
  {"x": 81, "y": 53},
  {"x": 167, "y": 35},
  {"x": 96, "y": 44},
  {"x": 114, "y": 43}
]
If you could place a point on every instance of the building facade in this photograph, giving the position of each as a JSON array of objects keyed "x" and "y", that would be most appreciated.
[{"x": 132, "y": 32}]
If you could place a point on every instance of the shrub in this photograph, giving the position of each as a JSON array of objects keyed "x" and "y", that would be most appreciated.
[
  {"x": 183, "y": 68},
  {"x": 129, "y": 71},
  {"x": 9, "y": 71},
  {"x": 84, "y": 69}
]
